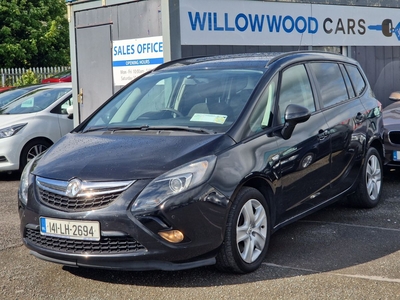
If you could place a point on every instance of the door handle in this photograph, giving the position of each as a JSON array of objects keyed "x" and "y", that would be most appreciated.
[
  {"x": 360, "y": 117},
  {"x": 323, "y": 134}
]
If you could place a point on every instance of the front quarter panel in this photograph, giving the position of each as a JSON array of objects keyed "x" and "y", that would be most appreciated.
[
  {"x": 374, "y": 122},
  {"x": 253, "y": 162}
]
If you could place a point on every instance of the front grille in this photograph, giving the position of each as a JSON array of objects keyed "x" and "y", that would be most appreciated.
[
  {"x": 107, "y": 245},
  {"x": 394, "y": 137},
  {"x": 75, "y": 204},
  {"x": 77, "y": 195}
]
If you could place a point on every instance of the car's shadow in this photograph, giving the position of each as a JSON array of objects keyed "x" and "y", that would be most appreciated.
[
  {"x": 334, "y": 238},
  {"x": 6, "y": 176}
]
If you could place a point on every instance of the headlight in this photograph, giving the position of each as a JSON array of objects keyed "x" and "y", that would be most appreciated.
[
  {"x": 174, "y": 182},
  {"x": 24, "y": 182},
  {"x": 10, "y": 131}
]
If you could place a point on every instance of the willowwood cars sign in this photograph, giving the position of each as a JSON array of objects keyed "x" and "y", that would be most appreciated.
[{"x": 265, "y": 23}]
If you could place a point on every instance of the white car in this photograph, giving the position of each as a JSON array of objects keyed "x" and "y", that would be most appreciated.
[{"x": 31, "y": 124}]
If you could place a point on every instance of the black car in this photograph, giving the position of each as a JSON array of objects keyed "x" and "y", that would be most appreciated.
[
  {"x": 199, "y": 161},
  {"x": 391, "y": 122}
]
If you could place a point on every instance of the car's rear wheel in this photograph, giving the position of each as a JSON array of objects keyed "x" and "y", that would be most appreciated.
[
  {"x": 369, "y": 190},
  {"x": 247, "y": 233},
  {"x": 31, "y": 150}
]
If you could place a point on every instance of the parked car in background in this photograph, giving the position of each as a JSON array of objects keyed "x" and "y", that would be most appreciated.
[
  {"x": 31, "y": 124},
  {"x": 391, "y": 121},
  {"x": 64, "y": 76},
  {"x": 199, "y": 161},
  {"x": 13, "y": 94}
]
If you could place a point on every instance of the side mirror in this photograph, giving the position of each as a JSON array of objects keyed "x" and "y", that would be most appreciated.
[
  {"x": 294, "y": 114},
  {"x": 395, "y": 96},
  {"x": 70, "y": 111}
]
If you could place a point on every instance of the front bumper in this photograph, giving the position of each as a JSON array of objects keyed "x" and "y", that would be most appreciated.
[
  {"x": 10, "y": 150},
  {"x": 130, "y": 241},
  {"x": 392, "y": 149},
  {"x": 147, "y": 265}
]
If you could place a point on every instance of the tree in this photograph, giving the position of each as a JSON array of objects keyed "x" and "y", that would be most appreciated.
[{"x": 33, "y": 33}]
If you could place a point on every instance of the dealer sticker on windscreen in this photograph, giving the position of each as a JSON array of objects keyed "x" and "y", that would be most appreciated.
[
  {"x": 78, "y": 230},
  {"x": 220, "y": 119}
]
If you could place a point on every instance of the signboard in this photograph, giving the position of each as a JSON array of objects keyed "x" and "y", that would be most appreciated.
[
  {"x": 209, "y": 22},
  {"x": 134, "y": 57}
]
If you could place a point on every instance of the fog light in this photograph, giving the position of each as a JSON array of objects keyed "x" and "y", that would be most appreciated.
[{"x": 172, "y": 236}]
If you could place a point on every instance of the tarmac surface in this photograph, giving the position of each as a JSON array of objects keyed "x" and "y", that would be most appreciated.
[{"x": 337, "y": 253}]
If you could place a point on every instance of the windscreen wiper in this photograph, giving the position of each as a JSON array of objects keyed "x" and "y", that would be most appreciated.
[
  {"x": 170, "y": 128},
  {"x": 115, "y": 128},
  {"x": 147, "y": 127},
  {"x": 181, "y": 128}
]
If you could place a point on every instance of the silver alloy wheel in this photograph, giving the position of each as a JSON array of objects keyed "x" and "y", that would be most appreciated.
[
  {"x": 307, "y": 160},
  {"x": 374, "y": 177},
  {"x": 251, "y": 230},
  {"x": 35, "y": 151}
]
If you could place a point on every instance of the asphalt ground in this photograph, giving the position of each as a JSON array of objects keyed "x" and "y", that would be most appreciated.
[{"x": 337, "y": 253}]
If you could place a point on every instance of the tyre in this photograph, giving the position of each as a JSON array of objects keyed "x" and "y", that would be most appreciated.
[
  {"x": 31, "y": 150},
  {"x": 369, "y": 190},
  {"x": 247, "y": 233}
]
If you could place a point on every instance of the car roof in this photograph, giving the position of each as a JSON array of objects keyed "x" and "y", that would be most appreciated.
[
  {"x": 251, "y": 60},
  {"x": 257, "y": 60},
  {"x": 56, "y": 85}
]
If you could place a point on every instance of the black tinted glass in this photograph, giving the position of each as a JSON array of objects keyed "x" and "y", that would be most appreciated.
[
  {"x": 349, "y": 86},
  {"x": 295, "y": 89},
  {"x": 331, "y": 83},
  {"x": 357, "y": 79}
]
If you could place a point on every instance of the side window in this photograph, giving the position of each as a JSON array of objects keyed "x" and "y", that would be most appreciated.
[
  {"x": 295, "y": 89},
  {"x": 331, "y": 83},
  {"x": 349, "y": 86},
  {"x": 65, "y": 105},
  {"x": 61, "y": 109},
  {"x": 262, "y": 115},
  {"x": 357, "y": 79}
]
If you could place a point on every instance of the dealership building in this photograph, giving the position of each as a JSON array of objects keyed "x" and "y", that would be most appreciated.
[{"x": 114, "y": 41}]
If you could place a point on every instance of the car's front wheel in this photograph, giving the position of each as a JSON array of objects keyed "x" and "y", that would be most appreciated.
[
  {"x": 369, "y": 190},
  {"x": 31, "y": 150},
  {"x": 247, "y": 233}
]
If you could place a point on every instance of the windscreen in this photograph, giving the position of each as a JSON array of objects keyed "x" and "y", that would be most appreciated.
[
  {"x": 8, "y": 96},
  {"x": 34, "y": 101},
  {"x": 210, "y": 99}
]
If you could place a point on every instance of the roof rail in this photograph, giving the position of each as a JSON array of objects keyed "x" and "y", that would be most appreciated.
[
  {"x": 171, "y": 62},
  {"x": 284, "y": 54}
]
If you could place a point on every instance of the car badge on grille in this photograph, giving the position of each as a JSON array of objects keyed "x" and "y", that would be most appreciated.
[{"x": 73, "y": 188}]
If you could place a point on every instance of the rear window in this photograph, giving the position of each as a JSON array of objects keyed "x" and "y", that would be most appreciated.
[{"x": 357, "y": 79}]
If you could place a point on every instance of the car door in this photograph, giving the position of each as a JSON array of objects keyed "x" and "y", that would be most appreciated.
[
  {"x": 305, "y": 156},
  {"x": 346, "y": 117},
  {"x": 64, "y": 122}
]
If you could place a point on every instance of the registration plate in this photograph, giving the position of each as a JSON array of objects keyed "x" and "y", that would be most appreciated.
[
  {"x": 78, "y": 230},
  {"x": 396, "y": 155}
]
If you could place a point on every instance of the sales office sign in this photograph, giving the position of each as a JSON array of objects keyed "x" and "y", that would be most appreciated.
[
  {"x": 133, "y": 57},
  {"x": 209, "y": 22}
]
